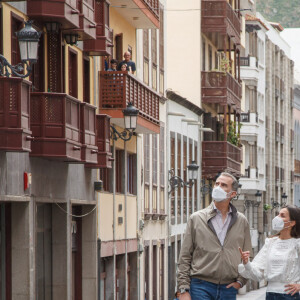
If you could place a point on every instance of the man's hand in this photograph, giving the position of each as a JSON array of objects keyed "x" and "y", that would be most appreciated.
[
  {"x": 245, "y": 256},
  {"x": 185, "y": 296},
  {"x": 235, "y": 284},
  {"x": 292, "y": 288}
]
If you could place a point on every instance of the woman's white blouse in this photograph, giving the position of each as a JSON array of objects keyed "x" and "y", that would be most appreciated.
[{"x": 278, "y": 262}]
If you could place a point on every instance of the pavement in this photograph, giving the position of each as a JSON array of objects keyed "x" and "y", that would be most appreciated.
[{"x": 259, "y": 294}]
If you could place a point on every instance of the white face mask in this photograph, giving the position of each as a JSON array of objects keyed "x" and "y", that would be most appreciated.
[
  {"x": 278, "y": 223},
  {"x": 218, "y": 194}
]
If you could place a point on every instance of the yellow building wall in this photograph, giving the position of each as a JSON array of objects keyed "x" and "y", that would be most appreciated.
[
  {"x": 120, "y": 25},
  {"x": 106, "y": 217},
  {"x": 7, "y": 10}
]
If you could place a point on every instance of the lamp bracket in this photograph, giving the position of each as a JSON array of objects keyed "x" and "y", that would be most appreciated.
[
  {"x": 125, "y": 135},
  {"x": 15, "y": 70},
  {"x": 177, "y": 181}
]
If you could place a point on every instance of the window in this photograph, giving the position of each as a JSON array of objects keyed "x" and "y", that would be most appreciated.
[
  {"x": 203, "y": 55},
  {"x": 73, "y": 81},
  {"x": 16, "y": 25},
  {"x": 154, "y": 57},
  {"x": 146, "y": 55},
  {"x": 154, "y": 173},
  {"x": 1, "y": 33},
  {"x": 146, "y": 169},
  {"x": 195, "y": 184},
  {"x": 131, "y": 169},
  {"x": 162, "y": 168},
  {"x": 216, "y": 61},
  {"x": 119, "y": 161},
  {"x": 119, "y": 46},
  {"x": 56, "y": 63},
  {"x": 161, "y": 51},
  {"x": 172, "y": 144},
  {"x": 37, "y": 76},
  {"x": 210, "y": 57},
  {"x": 86, "y": 80}
]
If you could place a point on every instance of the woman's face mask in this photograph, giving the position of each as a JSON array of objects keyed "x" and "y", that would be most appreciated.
[
  {"x": 278, "y": 223},
  {"x": 219, "y": 195}
]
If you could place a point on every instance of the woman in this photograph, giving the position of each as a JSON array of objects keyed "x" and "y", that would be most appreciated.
[{"x": 278, "y": 261}]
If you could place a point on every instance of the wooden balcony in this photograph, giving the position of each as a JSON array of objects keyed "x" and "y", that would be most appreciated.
[
  {"x": 219, "y": 157},
  {"x": 117, "y": 89},
  {"x": 15, "y": 134},
  {"x": 55, "y": 125},
  {"x": 139, "y": 13},
  {"x": 87, "y": 24},
  {"x": 104, "y": 156},
  {"x": 65, "y": 12},
  {"x": 221, "y": 88},
  {"x": 103, "y": 44},
  {"x": 88, "y": 133},
  {"x": 218, "y": 16}
]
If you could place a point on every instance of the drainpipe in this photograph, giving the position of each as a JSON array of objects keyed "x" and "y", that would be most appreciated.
[
  {"x": 125, "y": 221},
  {"x": 99, "y": 267},
  {"x": 170, "y": 292},
  {"x": 138, "y": 222},
  {"x": 114, "y": 220}
]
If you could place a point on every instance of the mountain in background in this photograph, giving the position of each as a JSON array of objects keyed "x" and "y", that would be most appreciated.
[{"x": 285, "y": 12}]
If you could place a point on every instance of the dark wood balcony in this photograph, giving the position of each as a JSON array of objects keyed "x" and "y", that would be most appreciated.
[
  {"x": 104, "y": 155},
  {"x": 220, "y": 156},
  {"x": 89, "y": 148},
  {"x": 103, "y": 44},
  {"x": 218, "y": 16},
  {"x": 65, "y": 12},
  {"x": 15, "y": 134},
  {"x": 221, "y": 88},
  {"x": 55, "y": 125},
  {"x": 139, "y": 13},
  {"x": 117, "y": 89},
  {"x": 87, "y": 24}
]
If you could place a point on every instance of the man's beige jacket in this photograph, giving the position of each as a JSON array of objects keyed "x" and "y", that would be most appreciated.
[{"x": 202, "y": 256}]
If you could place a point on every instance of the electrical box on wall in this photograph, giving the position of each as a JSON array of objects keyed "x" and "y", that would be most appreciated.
[{"x": 27, "y": 180}]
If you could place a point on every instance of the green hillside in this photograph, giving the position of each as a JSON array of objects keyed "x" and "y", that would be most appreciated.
[{"x": 286, "y": 12}]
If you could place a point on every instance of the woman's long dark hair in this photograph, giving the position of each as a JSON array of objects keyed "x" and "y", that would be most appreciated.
[{"x": 294, "y": 213}]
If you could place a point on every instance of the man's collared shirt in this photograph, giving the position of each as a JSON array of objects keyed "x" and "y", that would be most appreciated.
[{"x": 220, "y": 227}]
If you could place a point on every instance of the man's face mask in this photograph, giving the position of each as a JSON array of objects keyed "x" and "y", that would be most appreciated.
[{"x": 219, "y": 195}]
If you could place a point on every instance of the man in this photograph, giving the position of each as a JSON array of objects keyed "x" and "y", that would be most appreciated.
[
  {"x": 130, "y": 64},
  {"x": 209, "y": 257},
  {"x": 113, "y": 64}
]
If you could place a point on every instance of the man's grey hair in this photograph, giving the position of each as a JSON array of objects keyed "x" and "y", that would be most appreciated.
[{"x": 235, "y": 183}]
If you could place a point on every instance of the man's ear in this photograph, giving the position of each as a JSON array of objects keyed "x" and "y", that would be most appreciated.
[{"x": 233, "y": 194}]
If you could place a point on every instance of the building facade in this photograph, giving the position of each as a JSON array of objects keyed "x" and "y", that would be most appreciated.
[
  {"x": 253, "y": 126},
  {"x": 51, "y": 148},
  {"x": 279, "y": 123}
]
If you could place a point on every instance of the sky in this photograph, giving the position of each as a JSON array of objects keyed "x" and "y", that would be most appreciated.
[{"x": 292, "y": 37}]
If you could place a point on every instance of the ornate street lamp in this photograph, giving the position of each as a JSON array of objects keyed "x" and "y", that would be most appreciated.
[
  {"x": 177, "y": 181},
  {"x": 71, "y": 38},
  {"x": 283, "y": 199},
  {"x": 28, "y": 42},
  {"x": 130, "y": 121},
  {"x": 257, "y": 195}
]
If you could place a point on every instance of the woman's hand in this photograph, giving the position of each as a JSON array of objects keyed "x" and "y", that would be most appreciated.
[
  {"x": 292, "y": 288},
  {"x": 245, "y": 256}
]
